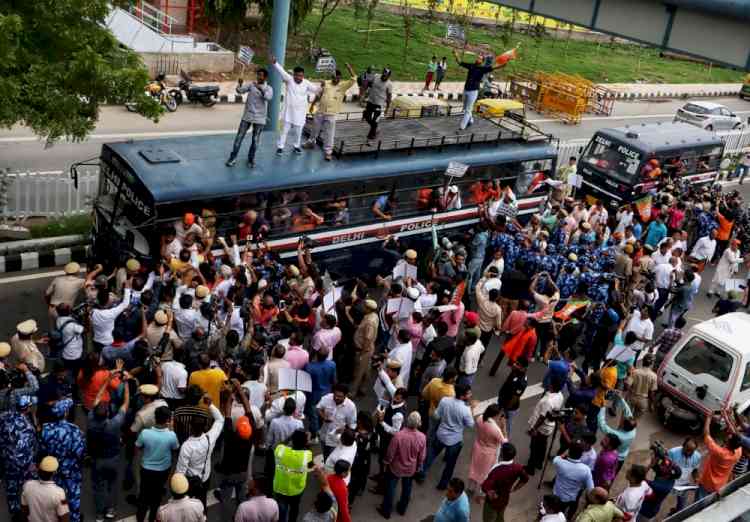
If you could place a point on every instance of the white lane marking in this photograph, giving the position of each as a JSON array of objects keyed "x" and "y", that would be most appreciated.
[
  {"x": 31, "y": 277},
  {"x": 119, "y": 136},
  {"x": 175, "y": 134}
]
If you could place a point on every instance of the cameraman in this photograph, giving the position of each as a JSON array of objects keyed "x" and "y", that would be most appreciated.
[
  {"x": 71, "y": 333},
  {"x": 542, "y": 424},
  {"x": 14, "y": 384}
]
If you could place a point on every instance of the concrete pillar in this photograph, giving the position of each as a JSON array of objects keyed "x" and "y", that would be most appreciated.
[{"x": 279, "y": 28}]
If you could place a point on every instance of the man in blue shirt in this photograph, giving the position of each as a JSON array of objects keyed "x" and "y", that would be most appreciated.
[
  {"x": 655, "y": 232},
  {"x": 626, "y": 434},
  {"x": 455, "y": 505},
  {"x": 573, "y": 476},
  {"x": 323, "y": 377},
  {"x": 688, "y": 458},
  {"x": 158, "y": 444},
  {"x": 454, "y": 417}
]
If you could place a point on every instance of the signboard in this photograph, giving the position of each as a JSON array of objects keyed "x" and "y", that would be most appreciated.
[
  {"x": 245, "y": 55},
  {"x": 455, "y": 32},
  {"x": 326, "y": 64},
  {"x": 456, "y": 169}
]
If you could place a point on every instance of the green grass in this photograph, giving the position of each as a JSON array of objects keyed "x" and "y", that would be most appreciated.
[
  {"x": 599, "y": 63},
  {"x": 68, "y": 225}
]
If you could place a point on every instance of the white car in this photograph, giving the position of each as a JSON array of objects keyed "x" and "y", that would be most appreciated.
[{"x": 708, "y": 115}]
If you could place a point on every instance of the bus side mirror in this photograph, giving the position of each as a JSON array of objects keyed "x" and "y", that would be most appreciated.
[{"x": 74, "y": 176}]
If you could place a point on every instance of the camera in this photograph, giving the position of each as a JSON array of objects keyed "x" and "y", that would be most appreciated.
[
  {"x": 563, "y": 414},
  {"x": 659, "y": 450}
]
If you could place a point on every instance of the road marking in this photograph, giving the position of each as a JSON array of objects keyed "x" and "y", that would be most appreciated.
[
  {"x": 176, "y": 134},
  {"x": 31, "y": 277},
  {"x": 119, "y": 136}
]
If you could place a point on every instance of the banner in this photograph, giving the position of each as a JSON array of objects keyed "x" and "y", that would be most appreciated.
[{"x": 643, "y": 206}]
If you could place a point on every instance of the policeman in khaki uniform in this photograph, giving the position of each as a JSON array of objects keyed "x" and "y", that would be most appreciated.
[
  {"x": 181, "y": 508},
  {"x": 42, "y": 500}
]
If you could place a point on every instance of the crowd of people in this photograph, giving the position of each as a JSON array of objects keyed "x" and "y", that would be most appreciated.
[{"x": 194, "y": 372}]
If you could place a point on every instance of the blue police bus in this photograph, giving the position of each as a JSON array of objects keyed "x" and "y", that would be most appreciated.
[{"x": 148, "y": 185}]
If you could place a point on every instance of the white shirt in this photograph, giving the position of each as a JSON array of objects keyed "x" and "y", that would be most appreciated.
[
  {"x": 257, "y": 392},
  {"x": 103, "y": 320},
  {"x": 624, "y": 220},
  {"x": 295, "y": 99},
  {"x": 704, "y": 248},
  {"x": 174, "y": 377},
  {"x": 663, "y": 275},
  {"x": 45, "y": 500},
  {"x": 661, "y": 259},
  {"x": 185, "y": 321},
  {"x": 185, "y": 509},
  {"x": 556, "y": 517},
  {"x": 277, "y": 406},
  {"x": 71, "y": 337},
  {"x": 403, "y": 353},
  {"x": 549, "y": 402},
  {"x": 341, "y": 452},
  {"x": 642, "y": 328},
  {"x": 195, "y": 453},
  {"x": 497, "y": 263},
  {"x": 631, "y": 499},
  {"x": 340, "y": 415},
  {"x": 470, "y": 358}
]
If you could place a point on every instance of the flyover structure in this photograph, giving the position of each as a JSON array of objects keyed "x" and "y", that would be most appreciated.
[{"x": 714, "y": 30}]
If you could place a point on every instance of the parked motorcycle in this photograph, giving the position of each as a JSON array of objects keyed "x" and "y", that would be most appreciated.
[
  {"x": 206, "y": 95},
  {"x": 158, "y": 90}
]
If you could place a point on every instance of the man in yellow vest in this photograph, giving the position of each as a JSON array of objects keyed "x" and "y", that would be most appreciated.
[{"x": 290, "y": 476}]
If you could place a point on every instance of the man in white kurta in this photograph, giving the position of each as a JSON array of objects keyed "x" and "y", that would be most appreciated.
[
  {"x": 728, "y": 265},
  {"x": 295, "y": 105}
]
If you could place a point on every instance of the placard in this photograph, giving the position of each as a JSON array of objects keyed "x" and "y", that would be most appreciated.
[
  {"x": 290, "y": 379},
  {"x": 245, "y": 55},
  {"x": 325, "y": 64},
  {"x": 404, "y": 269},
  {"x": 455, "y": 32},
  {"x": 456, "y": 169}
]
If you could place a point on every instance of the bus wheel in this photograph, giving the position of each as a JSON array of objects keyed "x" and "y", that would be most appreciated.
[{"x": 710, "y": 128}]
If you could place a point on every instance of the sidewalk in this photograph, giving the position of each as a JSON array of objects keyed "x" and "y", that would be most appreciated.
[{"x": 454, "y": 90}]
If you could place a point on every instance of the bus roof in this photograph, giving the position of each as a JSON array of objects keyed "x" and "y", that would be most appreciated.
[
  {"x": 197, "y": 169},
  {"x": 657, "y": 137}
]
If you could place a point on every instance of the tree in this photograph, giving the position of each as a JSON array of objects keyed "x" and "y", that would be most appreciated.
[
  {"x": 227, "y": 14},
  {"x": 371, "y": 6},
  {"x": 327, "y": 7},
  {"x": 432, "y": 6},
  {"x": 58, "y": 64},
  {"x": 299, "y": 11},
  {"x": 407, "y": 15}
]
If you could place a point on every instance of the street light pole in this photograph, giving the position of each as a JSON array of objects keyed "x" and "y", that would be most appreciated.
[{"x": 279, "y": 29}]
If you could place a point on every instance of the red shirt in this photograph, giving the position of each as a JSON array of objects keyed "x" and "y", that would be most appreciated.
[
  {"x": 406, "y": 452},
  {"x": 341, "y": 492}
]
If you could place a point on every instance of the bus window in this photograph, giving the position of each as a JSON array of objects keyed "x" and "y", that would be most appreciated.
[
  {"x": 531, "y": 177},
  {"x": 612, "y": 158},
  {"x": 675, "y": 166},
  {"x": 707, "y": 163}
]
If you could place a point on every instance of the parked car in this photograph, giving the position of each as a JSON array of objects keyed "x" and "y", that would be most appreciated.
[
  {"x": 707, "y": 370},
  {"x": 708, "y": 115}
]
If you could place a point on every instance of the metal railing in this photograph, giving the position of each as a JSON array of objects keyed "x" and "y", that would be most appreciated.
[
  {"x": 153, "y": 18},
  {"x": 49, "y": 194},
  {"x": 53, "y": 194}
]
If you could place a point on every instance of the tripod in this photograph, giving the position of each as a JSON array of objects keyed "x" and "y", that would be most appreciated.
[{"x": 549, "y": 452}]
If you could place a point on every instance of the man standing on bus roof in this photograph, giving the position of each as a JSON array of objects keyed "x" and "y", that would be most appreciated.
[
  {"x": 259, "y": 93},
  {"x": 295, "y": 105},
  {"x": 474, "y": 74},
  {"x": 378, "y": 95},
  {"x": 329, "y": 105}
]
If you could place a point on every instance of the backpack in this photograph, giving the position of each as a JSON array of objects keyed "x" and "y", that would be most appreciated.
[{"x": 55, "y": 342}]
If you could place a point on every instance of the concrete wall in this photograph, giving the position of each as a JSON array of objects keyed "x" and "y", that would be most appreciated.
[{"x": 171, "y": 63}]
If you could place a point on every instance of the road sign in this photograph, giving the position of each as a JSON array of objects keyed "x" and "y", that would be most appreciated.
[
  {"x": 455, "y": 32},
  {"x": 456, "y": 169},
  {"x": 245, "y": 55},
  {"x": 326, "y": 64}
]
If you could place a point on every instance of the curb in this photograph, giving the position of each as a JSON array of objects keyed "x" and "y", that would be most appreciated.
[{"x": 42, "y": 259}]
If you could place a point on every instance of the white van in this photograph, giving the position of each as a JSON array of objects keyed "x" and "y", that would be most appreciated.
[{"x": 707, "y": 370}]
